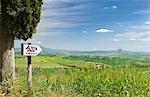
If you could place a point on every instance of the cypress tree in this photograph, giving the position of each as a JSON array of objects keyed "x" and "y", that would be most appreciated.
[{"x": 18, "y": 20}]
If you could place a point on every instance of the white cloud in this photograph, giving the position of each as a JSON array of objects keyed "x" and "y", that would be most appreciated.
[
  {"x": 55, "y": 14},
  {"x": 84, "y": 32},
  {"x": 138, "y": 36},
  {"x": 104, "y": 30},
  {"x": 106, "y": 7},
  {"x": 111, "y": 7},
  {"x": 116, "y": 39},
  {"x": 147, "y": 23},
  {"x": 32, "y": 41},
  {"x": 49, "y": 34},
  {"x": 51, "y": 23},
  {"x": 132, "y": 39},
  {"x": 114, "y": 6},
  {"x": 139, "y": 27},
  {"x": 146, "y": 39},
  {"x": 142, "y": 11}
]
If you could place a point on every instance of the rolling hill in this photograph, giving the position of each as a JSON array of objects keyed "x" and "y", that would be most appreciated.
[{"x": 96, "y": 53}]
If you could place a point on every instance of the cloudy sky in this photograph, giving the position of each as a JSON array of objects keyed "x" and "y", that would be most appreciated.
[{"x": 94, "y": 25}]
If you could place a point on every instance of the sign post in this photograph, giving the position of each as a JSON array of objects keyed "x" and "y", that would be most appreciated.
[
  {"x": 29, "y": 68},
  {"x": 30, "y": 50}
]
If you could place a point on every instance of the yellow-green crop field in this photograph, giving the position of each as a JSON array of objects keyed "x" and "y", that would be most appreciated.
[{"x": 77, "y": 76}]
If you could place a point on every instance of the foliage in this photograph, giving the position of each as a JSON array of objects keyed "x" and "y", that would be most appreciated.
[{"x": 20, "y": 17}]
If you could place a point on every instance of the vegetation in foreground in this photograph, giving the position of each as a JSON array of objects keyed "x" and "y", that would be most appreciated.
[{"x": 77, "y": 76}]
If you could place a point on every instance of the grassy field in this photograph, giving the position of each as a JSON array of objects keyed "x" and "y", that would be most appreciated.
[{"x": 77, "y": 76}]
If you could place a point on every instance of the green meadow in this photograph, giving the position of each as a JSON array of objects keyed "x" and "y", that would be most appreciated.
[{"x": 78, "y": 76}]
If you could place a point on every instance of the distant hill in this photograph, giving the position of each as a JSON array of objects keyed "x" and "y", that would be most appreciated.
[
  {"x": 69, "y": 52},
  {"x": 97, "y": 53}
]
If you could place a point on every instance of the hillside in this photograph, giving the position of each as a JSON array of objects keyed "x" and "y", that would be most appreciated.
[{"x": 97, "y": 53}]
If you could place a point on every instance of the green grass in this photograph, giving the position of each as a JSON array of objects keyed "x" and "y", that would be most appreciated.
[{"x": 53, "y": 76}]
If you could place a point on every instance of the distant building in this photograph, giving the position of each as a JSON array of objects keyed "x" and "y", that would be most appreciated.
[{"x": 100, "y": 66}]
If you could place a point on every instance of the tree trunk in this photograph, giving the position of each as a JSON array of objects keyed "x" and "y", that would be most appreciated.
[{"x": 7, "y": 60}]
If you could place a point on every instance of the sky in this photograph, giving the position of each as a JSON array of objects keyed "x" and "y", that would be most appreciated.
[{"x": 94, "y": 25}]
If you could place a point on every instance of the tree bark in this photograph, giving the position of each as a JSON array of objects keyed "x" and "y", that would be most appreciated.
[{"x": 7, "y": 60}]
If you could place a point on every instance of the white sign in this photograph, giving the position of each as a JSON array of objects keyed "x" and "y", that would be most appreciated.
[{"x": 30, "y": 50}]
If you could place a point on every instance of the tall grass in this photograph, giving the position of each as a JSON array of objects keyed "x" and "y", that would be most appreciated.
[{"x": 108, "y": 82}]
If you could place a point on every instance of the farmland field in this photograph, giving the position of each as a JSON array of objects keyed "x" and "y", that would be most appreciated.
[{"x": 77, "y": 76}]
